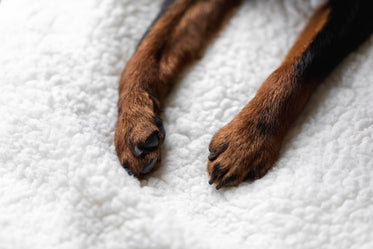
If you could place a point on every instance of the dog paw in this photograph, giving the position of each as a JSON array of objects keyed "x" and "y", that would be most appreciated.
[
  {"x": 240, "y": 150},
  {"x": 139, "y": 133}
]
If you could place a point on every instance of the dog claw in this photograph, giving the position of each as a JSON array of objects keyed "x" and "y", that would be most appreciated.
[
  {"x": 215, "y": 152},
  {"x": 211, "y": 181},
  {"x": 159, "y": 123},
  {"x": 219, "y": 186},
  {"x": 151, "y": 142},
  {"x": 138, "y": 152},
  {"x": 139, "y": 132},
  {"x": 227, "y": 180},
  {"x": 149, "y": 167},
  {"x": 212, "y": 156},
  {"x": 125, "y": 164},
  {"x": 213, "y": 178},
  {"x": 214, "y": 173},
  {"x": 127, "y": 167}
]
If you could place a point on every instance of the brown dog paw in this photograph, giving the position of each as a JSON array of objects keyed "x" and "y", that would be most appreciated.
[
  {"x": 242, "y": 149},
  {"x": 139, "y": 133}
]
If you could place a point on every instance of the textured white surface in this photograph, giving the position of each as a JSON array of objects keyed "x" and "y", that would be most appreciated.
[{"x": 61, "y": 185}]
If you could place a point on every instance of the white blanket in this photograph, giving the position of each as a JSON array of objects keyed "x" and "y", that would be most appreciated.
[{"x": 61, "y": 185}]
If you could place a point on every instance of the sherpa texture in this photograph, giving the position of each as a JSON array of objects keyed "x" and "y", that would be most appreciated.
[{"x": 61, "y": 185}]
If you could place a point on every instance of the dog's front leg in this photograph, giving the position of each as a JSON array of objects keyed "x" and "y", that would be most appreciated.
[
  {"x": 175, "y": 39},
  {"x": 248, "y": 146}
]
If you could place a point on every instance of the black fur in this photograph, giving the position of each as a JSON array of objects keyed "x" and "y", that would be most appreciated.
[
  {"x": 350, "y": 23},
  {"x": 266, "y": 128}
]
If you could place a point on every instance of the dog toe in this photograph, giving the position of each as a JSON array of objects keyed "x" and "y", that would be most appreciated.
[{"x": 139, "y": 135}]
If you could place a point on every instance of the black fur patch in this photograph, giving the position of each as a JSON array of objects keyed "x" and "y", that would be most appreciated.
[
  {"x": 266, "y": 128},
  {"x": 350, "y": 22},
  {"x": 266, "y": 122}
]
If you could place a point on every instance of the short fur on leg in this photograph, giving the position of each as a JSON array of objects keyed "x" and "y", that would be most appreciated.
[
  {"x": 249, "y": 145},
  {"x": 176, "y": 38}
]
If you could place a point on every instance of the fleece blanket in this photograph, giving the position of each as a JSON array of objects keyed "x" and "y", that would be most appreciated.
[{"x": 61, "y": 185}]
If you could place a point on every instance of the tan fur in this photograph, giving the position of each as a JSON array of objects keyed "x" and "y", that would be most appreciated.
[
  {"x": 249, "y": 152},
  {"x": 249, "y": 144},
  {"x": 175, "y": 40}
]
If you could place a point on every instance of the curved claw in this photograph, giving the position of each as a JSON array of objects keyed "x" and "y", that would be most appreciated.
[
  {"x": 149, "y": 167},
  {"x": 137, "y": 151},
  {"x": 126, "y": 166},
  {"x": 212, "y": 156},
  {"x": 214, "y": 173},
  {"x": 151, "y": 142},
  {"x": 159, "y": 123},
  {"x": 226, "y": 181}
]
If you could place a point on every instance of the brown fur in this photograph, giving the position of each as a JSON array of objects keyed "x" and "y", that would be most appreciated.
[
  {"x": 253, "y": 138},
  {"x": 176, "y": 39},
  {"x": 250, "y": 143}
]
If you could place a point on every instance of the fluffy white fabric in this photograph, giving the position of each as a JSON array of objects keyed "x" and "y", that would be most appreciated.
[{"x": 61, "y": 185}]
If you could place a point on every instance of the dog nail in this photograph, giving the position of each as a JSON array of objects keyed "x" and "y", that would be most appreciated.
[
  {"x": 215, "y": 152},
  {"x": 211, "y": 181},
  {"x": 212, "y": 156},
  {"x": 151, "y": 142},
  {"x": 137, "y": 151},
  {"x": 230, "y": 179},
  {"x": 125, "y": 164},
  {"x": 159, "y": 123},
  {"x": 219, "y": 186},
  {"x": 214, "y": 173},
  {"x": 149, "y": 167}
]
